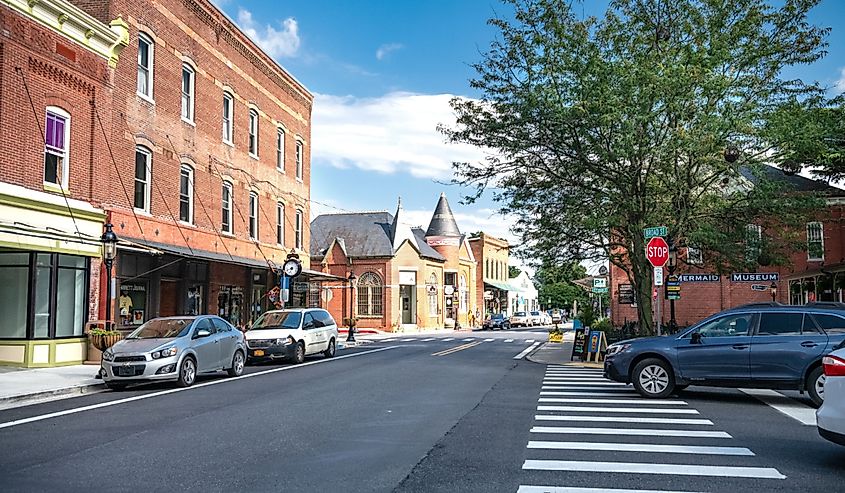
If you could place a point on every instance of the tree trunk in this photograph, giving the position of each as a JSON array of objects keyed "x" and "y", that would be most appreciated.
[{"x": 642, "y": 273}]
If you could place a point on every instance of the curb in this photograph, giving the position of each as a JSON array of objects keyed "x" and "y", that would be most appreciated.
[{"x": 32, "y": 398}]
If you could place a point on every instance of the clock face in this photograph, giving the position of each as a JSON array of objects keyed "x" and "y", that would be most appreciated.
[{"x": 292, "y": 268}]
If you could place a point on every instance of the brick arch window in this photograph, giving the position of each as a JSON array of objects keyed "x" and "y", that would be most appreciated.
[
  {"x": 57, "y": 147},
  {"x": 370, "y": 295}
]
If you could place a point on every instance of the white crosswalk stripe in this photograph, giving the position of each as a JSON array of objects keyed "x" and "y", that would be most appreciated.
[
  {"x": 468, "y": 339},
  {"x": 593, "y": 410},
  {"x": 508, "y": 340}
]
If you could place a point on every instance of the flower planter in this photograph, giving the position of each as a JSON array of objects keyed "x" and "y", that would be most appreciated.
[{"x": 103, "y": 342}]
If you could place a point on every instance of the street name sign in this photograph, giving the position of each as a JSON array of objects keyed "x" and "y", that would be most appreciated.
[
  {"x": 657, "y": 251},
  {"x": 655, "y": 231},
  {"x": 600, "y": 290}
]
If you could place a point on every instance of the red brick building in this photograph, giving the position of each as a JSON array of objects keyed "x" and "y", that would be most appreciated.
[
  {"x": 815, "y": 273},
  {"x": 407, "y": 278},
  {"x": 206, "y": 175},
  {"x": 56, "y": 76}
]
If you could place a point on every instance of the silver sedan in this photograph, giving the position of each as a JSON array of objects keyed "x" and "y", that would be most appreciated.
[{"x": 174, "y": 348}]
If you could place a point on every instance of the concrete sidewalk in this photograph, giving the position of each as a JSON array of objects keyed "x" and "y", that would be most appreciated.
[
  {"x": 554, "y": 353},
  {"x": 24, "y": 386}
]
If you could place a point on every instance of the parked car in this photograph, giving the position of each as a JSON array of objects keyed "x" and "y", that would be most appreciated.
[
  {"x": 496, "y": 321},
  {"x": 831, "y": 416},
  {"x": 520, "y": 319},
  {"x": 557, "y": 316},
  {"x": 174, "y": 348},
  {"x": 536, "y": 318},
  {"x": 764, "y": 345},
  {"x": 291, "y": 334},
  {"x": 547, "y": 318}
]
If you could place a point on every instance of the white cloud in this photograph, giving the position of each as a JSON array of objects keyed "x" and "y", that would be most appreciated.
[
  {"x": 386, "y": 49},
  {"x": 390, "y": 134},
  {"x": 277, "y": 43},
  {"x": 840, "y": 84}
]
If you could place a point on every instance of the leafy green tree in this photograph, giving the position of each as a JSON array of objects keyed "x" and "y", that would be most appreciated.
[
  {"x": 655, "y": 114},
  {"x": 513, "y": 271},
  {"x": 554, "y": 283}
]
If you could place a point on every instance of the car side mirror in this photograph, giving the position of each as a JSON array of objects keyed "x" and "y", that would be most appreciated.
[
  {"x": 202, "y": 333},
  {"x": 695, "y": 338}
]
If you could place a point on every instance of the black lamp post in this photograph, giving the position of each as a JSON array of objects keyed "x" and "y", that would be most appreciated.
[
  {"x": 774, "y": 290},
  {"x": 672, "y": 263},
  {"x": 351, "y": 336},
  {"x": 109, "y": 240}
]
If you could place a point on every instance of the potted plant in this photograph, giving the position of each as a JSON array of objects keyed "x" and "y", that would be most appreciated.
[
  {"x": 103, "y": 339},
  {"x": 350, "y": 322}
]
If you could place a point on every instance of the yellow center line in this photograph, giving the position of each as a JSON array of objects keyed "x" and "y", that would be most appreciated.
[{"x": 456, "y": 349}]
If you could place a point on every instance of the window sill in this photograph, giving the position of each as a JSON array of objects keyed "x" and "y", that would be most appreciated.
[
  {"x": 815, "y": 259},
  {"x": 229, "y": 143},
  {"x": 227, "y": 233},
  {"x": 185, "y": 223},
  {"x": 281, "y": 170},
  {"x": 299, "y": 179},
  {"x": 189, "y": 122},
  {"x": 142, "y": 212},
  {"x": 53, "y": 187},
  {"x": 254, "y": 156},
  {"x": 146, "y": 98}
]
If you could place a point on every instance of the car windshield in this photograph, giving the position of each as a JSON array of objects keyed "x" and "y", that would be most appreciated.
[
  {"x": 162, "y": 328},
  {"x": 535, "y": 313},
  {"x": 278, "y": 320},
  {"x": 498, "y": 316},
  {"x": 519, "y": 314}
]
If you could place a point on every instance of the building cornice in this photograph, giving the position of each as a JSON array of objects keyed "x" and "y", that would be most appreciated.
[{"x": 62, "y": 17}]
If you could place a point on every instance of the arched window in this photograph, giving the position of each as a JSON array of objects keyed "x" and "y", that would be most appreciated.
[
  {"x": 297, "y": 232},
  {"x": 57, "y": 147},
  {"x": 145, "y": 66},
  {"x": 299, "y": 160},
  {"x": 370, "y": 295},
  {"x": 188, "y": 81},
  {"x": 463, "y": 294},
  {"x": 431, "y": 292},
  {"x": 253, "y": 215},
  {"x": 186, "y": 194},
  {"x": 143, "y": 170},
  {"x": 228, "y": 117},
  {"x": 253, "y": 132},
  {"x": 226, "y": 209}
]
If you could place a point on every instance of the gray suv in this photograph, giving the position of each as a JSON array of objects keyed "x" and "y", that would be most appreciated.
[
  {"x": 174, "y": 348},
  {"x": 763, "y": 345}
]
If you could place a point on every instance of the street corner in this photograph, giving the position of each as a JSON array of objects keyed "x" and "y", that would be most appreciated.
[{"x": 551, "y": 353}]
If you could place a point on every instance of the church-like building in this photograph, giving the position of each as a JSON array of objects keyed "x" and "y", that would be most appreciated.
[{"x": 405, "y": 278}]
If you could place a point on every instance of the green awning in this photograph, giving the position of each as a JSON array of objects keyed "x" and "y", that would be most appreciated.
[{"x": 500, "y": 285}]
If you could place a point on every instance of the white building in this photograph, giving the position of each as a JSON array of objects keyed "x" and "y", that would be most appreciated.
[{"x": 522, "y": 297}]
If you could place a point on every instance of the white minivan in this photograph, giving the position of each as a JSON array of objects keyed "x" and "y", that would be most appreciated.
[{"x": 291, "y": 334}]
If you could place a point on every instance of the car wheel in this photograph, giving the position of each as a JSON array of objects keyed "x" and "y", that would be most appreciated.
[
  {"x": 187, "y": 372},
  {"x": 653, "y": 378},
  {"x": 329, "y": 352},
  {"x": 237, "y": 368},
  {"x": 299, "y": 353},
  {"x": 815, "y": 385},
  {"x": 117, "y": 387}
]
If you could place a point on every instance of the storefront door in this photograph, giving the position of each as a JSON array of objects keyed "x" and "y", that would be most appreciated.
[
  {"x": 409, "y": 303},
  {"x": 169, "y": 301}
]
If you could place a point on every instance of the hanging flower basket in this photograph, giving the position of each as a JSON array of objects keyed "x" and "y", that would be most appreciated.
[{"x": 104, "y": 339}]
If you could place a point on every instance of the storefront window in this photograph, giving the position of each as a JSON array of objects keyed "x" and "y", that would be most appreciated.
[
  {"x": 230, "y": 302},
  {"x": 193, "y": 306},
  {"x": 14, "y": 274},
  {"x": 132, "y": 303},
  {"x": 58, "y": 304},
  {"x": 70, "y": 302}
]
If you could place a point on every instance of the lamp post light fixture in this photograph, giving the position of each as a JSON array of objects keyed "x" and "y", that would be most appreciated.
[
  {"x": 774, "y": 290},
  {"x": 731, "y": 153},
  {"x": 672, "y": 263},
  {"x": 351, "y": 335},
  {"x": 109, "y": 240}
]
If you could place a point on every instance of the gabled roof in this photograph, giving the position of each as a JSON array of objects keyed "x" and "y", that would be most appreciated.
[
  {"x": 423, "y": 247},
  {"x": 443, "y": 221},
  {"x": 362, "y": 235},
  {"x": 400, "y": 230},
  {"x": 795, "y": 182}
]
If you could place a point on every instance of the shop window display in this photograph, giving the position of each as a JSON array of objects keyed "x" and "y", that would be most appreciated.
[{"x": 132, "y": 303}]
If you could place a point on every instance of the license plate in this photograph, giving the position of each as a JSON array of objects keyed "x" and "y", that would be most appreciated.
[
  {"x": 258, "y": 352},
  {"x": 125, "y": 371}
]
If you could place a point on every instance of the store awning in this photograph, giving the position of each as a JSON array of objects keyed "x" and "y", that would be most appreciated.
[
  {"x": 196, "y": 253},
  {"x": 500, "y": 285}
]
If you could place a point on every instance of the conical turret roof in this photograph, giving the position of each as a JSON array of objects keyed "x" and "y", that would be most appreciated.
[{"x": 443, "y": 221}]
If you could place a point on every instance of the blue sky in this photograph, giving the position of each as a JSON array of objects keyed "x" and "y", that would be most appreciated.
[{"x": 382, "y": 73}]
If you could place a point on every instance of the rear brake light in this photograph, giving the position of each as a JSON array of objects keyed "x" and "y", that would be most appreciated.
[{"x": 834, "y": 366}]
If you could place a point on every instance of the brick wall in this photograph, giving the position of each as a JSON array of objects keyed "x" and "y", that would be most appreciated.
[
  {"x": 72, "y": 80},
  {"x": 196, "y": 33},
  {"x": 702, "y": 299}
]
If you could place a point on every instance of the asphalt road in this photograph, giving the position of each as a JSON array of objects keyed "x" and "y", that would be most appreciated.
[{"x": 417, "y": 415}]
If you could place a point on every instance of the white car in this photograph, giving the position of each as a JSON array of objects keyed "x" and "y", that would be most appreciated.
[
  {"x": 536, "y": 318},
  {"x": 831, "y": 415},
  {"x": 291, "y": 334},
  {"x": 521, "y": 319}
]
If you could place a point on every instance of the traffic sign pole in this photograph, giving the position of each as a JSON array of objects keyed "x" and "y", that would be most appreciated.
[{"x": 657, "y": 299}]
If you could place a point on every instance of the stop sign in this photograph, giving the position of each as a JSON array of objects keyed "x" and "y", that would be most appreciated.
[{"x": 657, "y": 251}]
